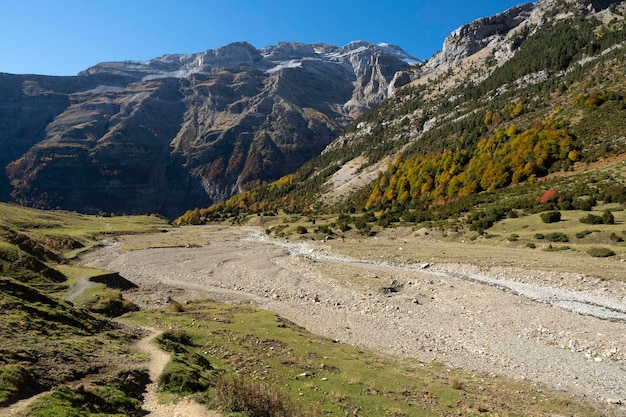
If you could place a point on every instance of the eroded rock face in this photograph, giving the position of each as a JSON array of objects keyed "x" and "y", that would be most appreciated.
[
  {"x": 471, "y": 38},
  {"x": 182, "y": 131}
]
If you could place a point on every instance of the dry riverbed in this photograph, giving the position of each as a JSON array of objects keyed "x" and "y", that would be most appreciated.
[{"x": 545, "y": 318}]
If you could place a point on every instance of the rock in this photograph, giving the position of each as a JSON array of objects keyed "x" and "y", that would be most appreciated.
[{"x": 471, "y": 38}]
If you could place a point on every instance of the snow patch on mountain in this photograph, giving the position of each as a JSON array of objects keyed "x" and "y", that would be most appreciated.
[{"x": 354, "y": 56}]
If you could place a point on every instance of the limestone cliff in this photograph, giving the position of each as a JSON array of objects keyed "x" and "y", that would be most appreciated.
[{"x": 180, "y": 131}]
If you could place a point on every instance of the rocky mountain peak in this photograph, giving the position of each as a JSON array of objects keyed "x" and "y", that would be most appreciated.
[
  {"x": 232, "y": 55},
  {"x": 288, "y": 50},
  {"x": 472, "y": 37}
]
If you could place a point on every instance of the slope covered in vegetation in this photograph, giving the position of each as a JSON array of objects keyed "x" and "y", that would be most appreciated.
[
  {"x": 558, "y": 101},
  {"x": 45, "y": 340}
]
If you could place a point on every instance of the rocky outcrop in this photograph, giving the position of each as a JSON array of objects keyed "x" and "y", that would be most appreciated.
[
  {"x": 181, "y": 131},
  {"x": 598, "y": 5},
  {"x": 471, "y": 38}
]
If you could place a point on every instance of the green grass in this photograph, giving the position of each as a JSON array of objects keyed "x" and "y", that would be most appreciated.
[
  {"x": 70, "y": 232},
  {"x": 115, "y": 397},
  {"x": 45, "y": 341},
  {"x": 581, "y": 237},
  {"x": 212, "y": 341}
]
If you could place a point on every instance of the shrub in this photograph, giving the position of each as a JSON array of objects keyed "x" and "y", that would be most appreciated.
[
  {"x": 237, "y": 394},
  {"x": 322, "y": 228},
  {"x": 591, "y": 219},
  {"x": 614, "y": 194},
  {"x": 111, "y": 304},
  {"x": 584, "y": 204},
  {"x": 607, "y": 217},
  {"x": 531, "y": 245},
  {"x": 551, "y": 217},
  {"x": 549, "y": 196},
  {"x": 344, "y": 227},
  {"x": 301, "y": 230},
  {"x": 583, "y": 234},
  {"x": 565, "y": 205},
  {"x": 557, "y": 237},
  {"x": 600, "y": 252},
  {"x": 540, "y": 236}
]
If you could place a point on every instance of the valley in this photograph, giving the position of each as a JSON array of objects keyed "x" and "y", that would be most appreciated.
[
  {"x": 419, "y": 301},
  {"x": 333, "y": 230}
]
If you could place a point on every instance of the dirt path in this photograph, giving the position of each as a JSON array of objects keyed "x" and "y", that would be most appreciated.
[
  {"x": 21, "y": 407},
  {"x": 461, "y": 314},
  {"x": 158, "y": 359}
]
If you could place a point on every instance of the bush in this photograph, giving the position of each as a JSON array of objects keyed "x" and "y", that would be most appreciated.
[
  {"x": 551, "y": 217},
  {"x": 237, "y": 394},
  {"x": 607, "y": 217},
  {"x": 600, "y": 252},
  {"x": 565, "y": 205},
  {"x": 301, "y": 230},
  {"x": 591, "y": 219},
  {"x": 583, "y": 234},
  {"x": 549, "y": 196},
  {"x": 111, "y": 304},
  {"x": 557, "y": 237},
  {"x": 584, "y": 204},
  {"x": 322, "y": 228},
  {"x": 344, "y": 227}
]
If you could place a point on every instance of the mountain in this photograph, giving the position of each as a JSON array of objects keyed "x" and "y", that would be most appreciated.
[
  {"x": 510, "y": 99},
  {"x": 182, "y": 131}
]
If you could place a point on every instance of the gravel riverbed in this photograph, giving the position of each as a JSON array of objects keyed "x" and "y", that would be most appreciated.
[{"x": 561, "y": 329}]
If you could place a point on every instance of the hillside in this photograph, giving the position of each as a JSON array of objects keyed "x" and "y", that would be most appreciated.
[
  {"x": 181, "y": 131},
  {"x": 509, "y": 101}
]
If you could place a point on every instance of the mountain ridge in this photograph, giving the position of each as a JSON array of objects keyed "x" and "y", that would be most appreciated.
[{"x": 183, "y": 130}]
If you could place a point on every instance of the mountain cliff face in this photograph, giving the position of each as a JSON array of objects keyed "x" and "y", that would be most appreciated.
[
  {"x": 474, "y": 36},
  {"x": 182, "y": 131}
]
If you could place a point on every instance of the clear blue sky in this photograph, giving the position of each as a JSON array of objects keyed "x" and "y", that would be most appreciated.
[{"x": 63, "y": 37}]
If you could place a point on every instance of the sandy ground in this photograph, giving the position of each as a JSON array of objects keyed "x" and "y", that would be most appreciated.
[{"x": 558, "y": 326}]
